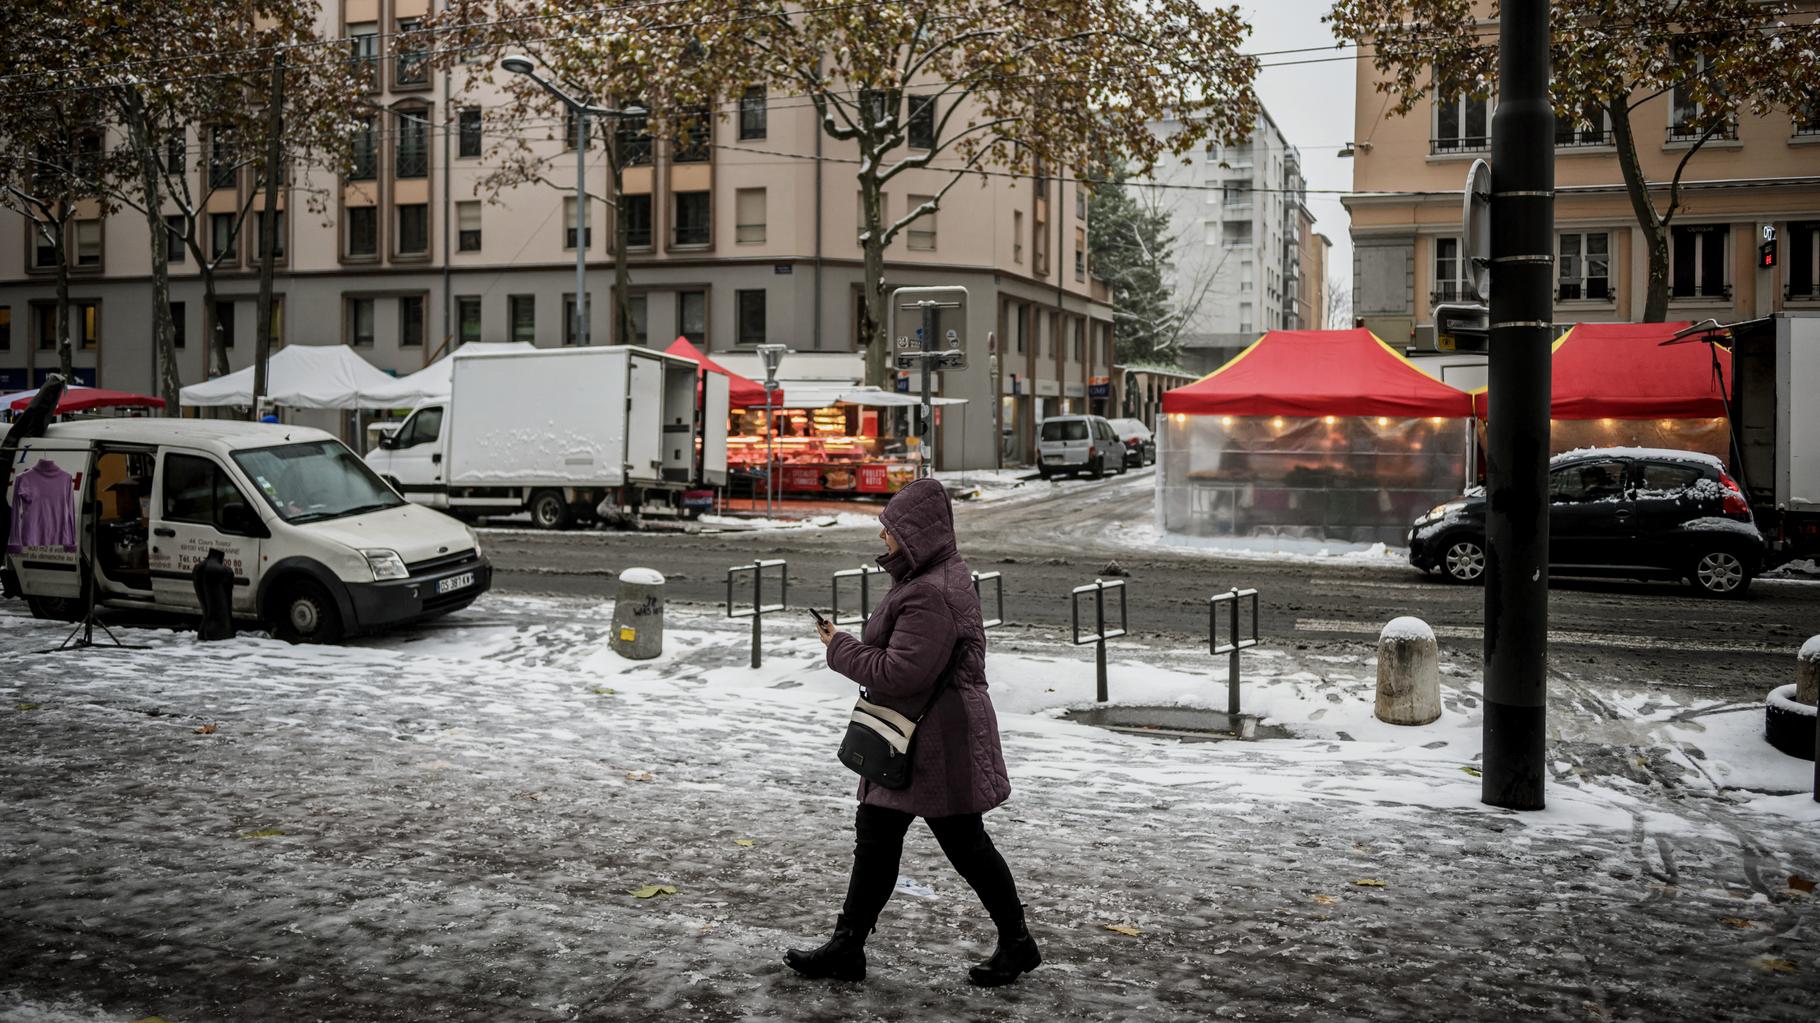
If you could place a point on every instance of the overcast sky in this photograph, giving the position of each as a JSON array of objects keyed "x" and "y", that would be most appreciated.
[{"x": 1312, "y": 103}]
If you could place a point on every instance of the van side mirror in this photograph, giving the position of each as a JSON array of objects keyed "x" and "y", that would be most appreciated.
[
  {"x": 239, "y": 520},
  {"x": 388, "y": 441}
]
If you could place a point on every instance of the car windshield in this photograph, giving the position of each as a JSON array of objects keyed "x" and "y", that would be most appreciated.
[
  {"x": 315, "y": 480},
  {"x": 1065, "y": 429}
]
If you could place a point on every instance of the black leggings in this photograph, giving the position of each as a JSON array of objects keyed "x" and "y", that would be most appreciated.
[{"x": 879, "y": 844}]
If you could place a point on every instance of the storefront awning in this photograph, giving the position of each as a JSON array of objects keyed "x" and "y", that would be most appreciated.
[
  {"x": 1628, "y": 371},
  {"x": 1318, "y": 373}
]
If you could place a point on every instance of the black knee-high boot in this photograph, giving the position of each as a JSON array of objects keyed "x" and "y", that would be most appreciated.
[{"x": 877, "y": 849}]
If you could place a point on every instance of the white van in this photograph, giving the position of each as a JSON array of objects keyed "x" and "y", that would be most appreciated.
[
  {"x": 1077, "y": 444},
  {"x": 321, "y": 548}
]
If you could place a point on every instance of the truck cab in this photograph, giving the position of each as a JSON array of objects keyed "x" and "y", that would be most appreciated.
[
  {"x": 120, "y": 512},
  {"x": 413, "y": 457}
]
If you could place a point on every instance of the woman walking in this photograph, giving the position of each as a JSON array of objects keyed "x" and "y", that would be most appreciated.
[{"x": 925, "y": 633}]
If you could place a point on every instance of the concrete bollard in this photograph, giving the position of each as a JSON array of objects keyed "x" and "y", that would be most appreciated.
[
  {"x": 638, "y": 614},
  {"x": 1409, "y": 673},
  {"x": 1807, "y": 672}
]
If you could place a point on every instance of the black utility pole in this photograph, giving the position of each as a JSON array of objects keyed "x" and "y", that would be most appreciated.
[
  {"x": 268, "y": 230},
  {"x": 1522, "y": 329}
]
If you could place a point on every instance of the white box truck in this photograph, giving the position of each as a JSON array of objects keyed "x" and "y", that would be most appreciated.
[
  {"x": 563, "y": 433},
  {"x": 1776, "y": 432}
]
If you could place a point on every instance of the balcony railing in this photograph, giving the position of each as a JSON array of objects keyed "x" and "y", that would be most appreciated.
[
  {"x": 1698, "y": 291},
  {"x": 1579, "y": 138},
  {"x": 1688, "y": 132},
  {"x": 1459, "y": 144}
]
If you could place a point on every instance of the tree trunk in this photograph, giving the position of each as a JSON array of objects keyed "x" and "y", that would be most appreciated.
[
  {"x": 622, "y": 274},
  {"x": 268, "y": 234},
  {"x": 874, "y": 317},
  {"x": 164, "y": 347},
  {"x": 65, "y": 344},
  {"x": 216, "y": 340},
  {"x": 1655, "y": 228}
]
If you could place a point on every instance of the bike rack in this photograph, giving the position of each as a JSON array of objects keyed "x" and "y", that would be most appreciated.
[
  {"x": 1099, "y": 636},
  {"x": 998, "y": 603},
  {"x": 864, "y": 574},
  {"x": 1233, "y": 644},
  {"x": 759, "y": 609}
]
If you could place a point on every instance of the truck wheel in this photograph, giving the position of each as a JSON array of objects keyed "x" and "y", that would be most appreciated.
[
  {"x": 306, "y": 613},
  {"x": 1720, "y": 573},
  {"x": 550, "y": 510}
]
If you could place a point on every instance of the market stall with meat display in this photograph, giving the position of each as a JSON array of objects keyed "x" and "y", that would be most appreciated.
[
  {"x": 832, "y": 442},
  {"x": 1312, "y": 434}
]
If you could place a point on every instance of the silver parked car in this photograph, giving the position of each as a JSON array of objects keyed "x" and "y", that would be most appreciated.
[{"x": 1077, "y": 444}]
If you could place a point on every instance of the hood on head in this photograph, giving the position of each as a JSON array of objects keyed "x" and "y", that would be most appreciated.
[{"x": 921, "y": 517}]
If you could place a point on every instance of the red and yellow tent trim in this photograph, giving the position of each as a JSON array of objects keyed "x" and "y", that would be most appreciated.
[
  {"x": 1318, "y": 373},
  {"x": 1632, "y": 371}
]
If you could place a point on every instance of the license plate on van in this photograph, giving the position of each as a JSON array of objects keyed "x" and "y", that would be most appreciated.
[{"x": 455, "y": 582}]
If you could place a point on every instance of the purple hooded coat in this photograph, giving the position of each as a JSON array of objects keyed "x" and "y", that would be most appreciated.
[{"x": 928, "y": 626}]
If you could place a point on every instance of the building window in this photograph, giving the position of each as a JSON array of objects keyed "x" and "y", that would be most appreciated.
[
  {"x": 223, "y": 162},
  {"x": 360, "y": 322},
  {"x": 277, "y": 234},
  {"x": 749, "y": 316},
  {"x": 1584, "y": 267},
  {"x": 1697, "y": 259},
  {"x": 692, "y": 316},
  {"x": 1080, "y": 201},
  {"x": 569, "y": 332},
  {"x": 1080, "y": 253},
  {"x": 634, "y": 140},
  {"x": 752, "y": 113},
  {"x": 1687, "y": 116},
  {"x": 363, "y": 52},
  {"x": 1804, "y": 260},
  {"x": 691, "y": 215},
  {"x": 87, "y": 316},
  {"x": 224, "y": 236},
  {"x": 44, "y": 249},
  {"x": 224, "y": 323},
  {"x": 1806, "y": 115},
  {"x": 410, "y": 321},
  {"x": 46, "y": 317},
  {"x": 467, "y": 318},
  {"x": 694, "y": 137},
  {"x": 363, "y": 231},
  {"x": 1080, "y": 340},
  {"x": 749, "y": 205},
  {"x": 921, "y": 132},
  {"x": 178, "y": 325},
  {"x": 412, "y": 158},
  {"x": 365, "y": 163},
  {"x": 412, "y": 60},
  {"x": 470, "y": 132},
  {"x": 1237, "y": 232},
  {"x": 467, "y": 226},
  {"x": 569, "y": 224},
  {"x": 637, "y": 211},
  {"x": 6, "y": 327},
  {"x": 522, "y": 314},
  {"x": 920, "y": 233},
  {"x": 1017, "y": 236},
  {"x": 175, "y": 233},
  {"x": 1462, "y": 125},
  {"x": 88, "y": 243},
  {"x": 174, "y": 144},
  {"x": 571, "y": 130},
  {"x": 413, "y": 229},
  {"x": 1586, "y": 126},
  {"x": 1235, "y": 195},
  {"x": 1449, "y": 272},
  {"x": 637, "y": 310}
]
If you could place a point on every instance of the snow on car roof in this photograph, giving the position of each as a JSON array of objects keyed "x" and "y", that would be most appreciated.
[{"x": 1658, "y": 454}]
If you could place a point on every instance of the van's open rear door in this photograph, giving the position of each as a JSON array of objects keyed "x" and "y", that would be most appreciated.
[{"x": 48, "y": 530}]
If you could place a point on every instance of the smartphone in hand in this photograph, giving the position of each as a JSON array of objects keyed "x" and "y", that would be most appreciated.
[{"x": 819, "y": 620}]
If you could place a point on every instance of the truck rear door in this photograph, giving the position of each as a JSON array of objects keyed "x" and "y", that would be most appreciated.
[
  {"x": 714, "y": 412},
  {"x": 47, "y": 535},
  {"x": 644, "y": 419}
]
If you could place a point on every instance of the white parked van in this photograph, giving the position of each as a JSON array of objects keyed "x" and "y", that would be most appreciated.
[
  {"x": 1076, "y": 444},
  {"x": 320, "y": 547}
]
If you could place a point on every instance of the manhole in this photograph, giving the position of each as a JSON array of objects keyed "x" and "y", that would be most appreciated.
[{"x": 1183, "y": 724}]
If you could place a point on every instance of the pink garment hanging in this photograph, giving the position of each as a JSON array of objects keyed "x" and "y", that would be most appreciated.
[{"x": 44, "y": 508}]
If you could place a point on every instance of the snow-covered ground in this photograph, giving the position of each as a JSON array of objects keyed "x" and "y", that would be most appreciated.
[{"x": 450, "y": 823}]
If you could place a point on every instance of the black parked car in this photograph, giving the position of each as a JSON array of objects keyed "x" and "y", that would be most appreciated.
[{"x": 1627, "y": 512}]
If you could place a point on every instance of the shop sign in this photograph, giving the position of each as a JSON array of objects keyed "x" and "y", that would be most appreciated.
[
  {"x": 874, "y": 479},
  {"x": 1048, "y": 389},
  {"x": 802, "y": 477},
  {"x": 1099, "y": 387},
  {"x": 1074, "y": 391},
  {"x": 903, "y": 383}
]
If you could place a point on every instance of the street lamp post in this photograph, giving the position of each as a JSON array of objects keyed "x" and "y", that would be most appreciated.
[
  {"x": 519, "y": 64},
  {"x": 773, "y": 356}
]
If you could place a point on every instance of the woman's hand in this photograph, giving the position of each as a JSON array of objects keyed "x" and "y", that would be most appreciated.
[{"x": 825, "y": 630}]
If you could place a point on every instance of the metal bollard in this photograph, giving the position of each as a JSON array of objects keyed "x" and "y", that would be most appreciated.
[
  {"x": 1099, "y": 636},
  {"x": 759, "y": 608},
  {"x": 1233, "y": 643},
  {"x": 864, "y": 574},
  {"x": 998, "y": 586}
]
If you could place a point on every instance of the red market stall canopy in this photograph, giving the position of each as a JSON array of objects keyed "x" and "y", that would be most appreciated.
[
  {"x": 742, "y": 392},
  {"x": 82, "y": 399},
  {"x": 1318, "y": 373},
  {"x": 1624, "y": 371}
]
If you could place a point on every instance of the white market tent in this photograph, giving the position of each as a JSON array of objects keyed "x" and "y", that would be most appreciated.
[
  {"x": 303, "y": 377},
  {"x": 433, "y": 382}
]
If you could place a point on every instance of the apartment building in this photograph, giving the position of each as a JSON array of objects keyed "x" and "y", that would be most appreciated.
[
  {"x": 1240, "y": 220},
  {"x": 741, "y": 234},
  {"x": 1760, "y": 172}
]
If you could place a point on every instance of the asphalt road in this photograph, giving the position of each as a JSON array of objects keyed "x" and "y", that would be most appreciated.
[{"x": 1652, "y": 633}]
